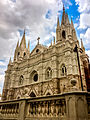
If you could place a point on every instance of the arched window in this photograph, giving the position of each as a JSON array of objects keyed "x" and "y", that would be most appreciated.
[
  {"x": 48, "y": 73},
  {"x": 18, "y": 53},
  {"x": 32, "y": 94},
  {"x": 21, "y": 80},
  {"x": 63, "y": 34},
  {"x": 24, "y": 54},
  {"x": 63, "y": 70},
  {"x": 34, "y": 76}
]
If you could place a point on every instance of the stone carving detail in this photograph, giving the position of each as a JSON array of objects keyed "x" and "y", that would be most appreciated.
[
  {"x": 9, "y": 109},
  {"x": 47, "y": 108}
]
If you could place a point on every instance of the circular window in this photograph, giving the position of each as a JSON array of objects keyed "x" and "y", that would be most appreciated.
[
  {"x": 37, "y": 50},
  {"x": 35, "y": 78}
]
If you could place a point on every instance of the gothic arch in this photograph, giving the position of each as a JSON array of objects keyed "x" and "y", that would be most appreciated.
[
  {"x": 48, "y": 73},
  {"x": 64, "y": 34},
  {"x": 63, "y": 70},
  {"x": 21, "y": 80},
  {"x": 34, "y": 76}
]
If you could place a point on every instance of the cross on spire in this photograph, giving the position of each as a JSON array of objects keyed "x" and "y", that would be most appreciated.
[{"x": 38, "y": 40}]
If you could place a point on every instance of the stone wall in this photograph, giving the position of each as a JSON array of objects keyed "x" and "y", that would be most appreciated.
[{"x": 70, "y": 106}]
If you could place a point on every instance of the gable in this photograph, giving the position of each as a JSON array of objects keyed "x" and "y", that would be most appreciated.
[{"x": 38, "y": 49}]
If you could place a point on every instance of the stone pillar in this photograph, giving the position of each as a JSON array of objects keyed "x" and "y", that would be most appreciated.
[
  {"x": 22, "y": 106},
  {"x": 56, "y": 86},
  {"x": 76, "y": 106}
]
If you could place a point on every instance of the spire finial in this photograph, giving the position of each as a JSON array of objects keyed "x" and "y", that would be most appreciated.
[
  {"x": 63, "y": 8},
  {"x": 38, "y": 40}
]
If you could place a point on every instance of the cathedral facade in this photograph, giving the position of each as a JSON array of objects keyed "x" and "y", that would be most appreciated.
[
  {"x": 48, "y": 83},
  {"x": 47, "y": 70}
]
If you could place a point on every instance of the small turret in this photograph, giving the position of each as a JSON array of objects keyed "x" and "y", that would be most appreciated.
[
  {"x": 54, "y": 40},
  {"x": 15, "y": 54}
]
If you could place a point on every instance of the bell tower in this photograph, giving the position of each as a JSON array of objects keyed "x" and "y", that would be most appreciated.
[{"x": 66, "y": 30}]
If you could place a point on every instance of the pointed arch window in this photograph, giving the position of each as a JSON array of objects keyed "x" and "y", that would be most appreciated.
[
  {"x": 64, "y": 34},
  {"x": 63, "y": 70},
  {"x": 48, "y": 73},
  {"x": 21, "y": 79}
]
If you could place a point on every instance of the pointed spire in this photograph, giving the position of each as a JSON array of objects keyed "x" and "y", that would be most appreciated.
[
  {"x": 63, "y": 16},
  {"x": 10, "y": 61},
  {"x": 17, "y": 44},
  {"x": 23, "y": 41},
  {"x": 58, "y": 24},
  {"x": 72, "y": 23},
  {"x": 51, "y": 42},
  {"x": 67, "y": 19},
  {"x": 28, "y": 45},
  {"x": 63, "y": 8},
  {"x": 82, "y": 46}
]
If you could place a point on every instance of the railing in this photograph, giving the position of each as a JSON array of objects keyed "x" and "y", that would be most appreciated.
[
  {"x": 47, "y": 108},
  {"x": 9, "y": 110},
  {"x": 57, "y": 107}
]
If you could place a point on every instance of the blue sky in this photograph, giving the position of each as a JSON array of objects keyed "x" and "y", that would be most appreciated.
[{"x": 38, "y": 18}]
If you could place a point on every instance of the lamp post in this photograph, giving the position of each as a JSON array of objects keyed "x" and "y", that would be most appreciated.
[{"x": 76, "y": 50}]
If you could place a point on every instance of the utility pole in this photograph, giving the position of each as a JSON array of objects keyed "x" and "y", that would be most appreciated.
[{"x": 76, "y": 50}]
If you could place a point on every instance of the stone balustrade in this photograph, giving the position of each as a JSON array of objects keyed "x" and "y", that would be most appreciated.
[
  {"x": 9, "y": 110},
  {"x": 49, "y": 108},
  {"x": 67, "y": 106}
]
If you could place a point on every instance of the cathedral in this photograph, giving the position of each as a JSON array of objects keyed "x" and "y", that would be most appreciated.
[{"x": 49, "y": 73}]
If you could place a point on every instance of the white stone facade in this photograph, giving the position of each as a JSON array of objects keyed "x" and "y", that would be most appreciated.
[{"x": 46, "y": 70}]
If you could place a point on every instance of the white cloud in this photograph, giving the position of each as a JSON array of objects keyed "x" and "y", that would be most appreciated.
[
  {"x": 84, "y": 20},
  {"x": 28, "y": 14},
  {"x": 1, "y": 82},
  {"x": 84, "y": 5},
  {"x": 86, "y": 38},
  {"x": 88, "y": 53}
]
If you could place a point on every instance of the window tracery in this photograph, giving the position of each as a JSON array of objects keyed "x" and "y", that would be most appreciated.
[
  {"x": 21, "y": 80},
  {"x": 63, "y": 70},
  {"x": 48, "y": 73}
]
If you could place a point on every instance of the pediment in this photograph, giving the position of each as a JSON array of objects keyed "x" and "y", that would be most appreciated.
[{"x": 38, "y": 49}]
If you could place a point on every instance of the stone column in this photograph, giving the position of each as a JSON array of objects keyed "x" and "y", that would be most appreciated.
[
  {"x": 22, "y": 105},
  {"x": 76, "y": 106}
]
